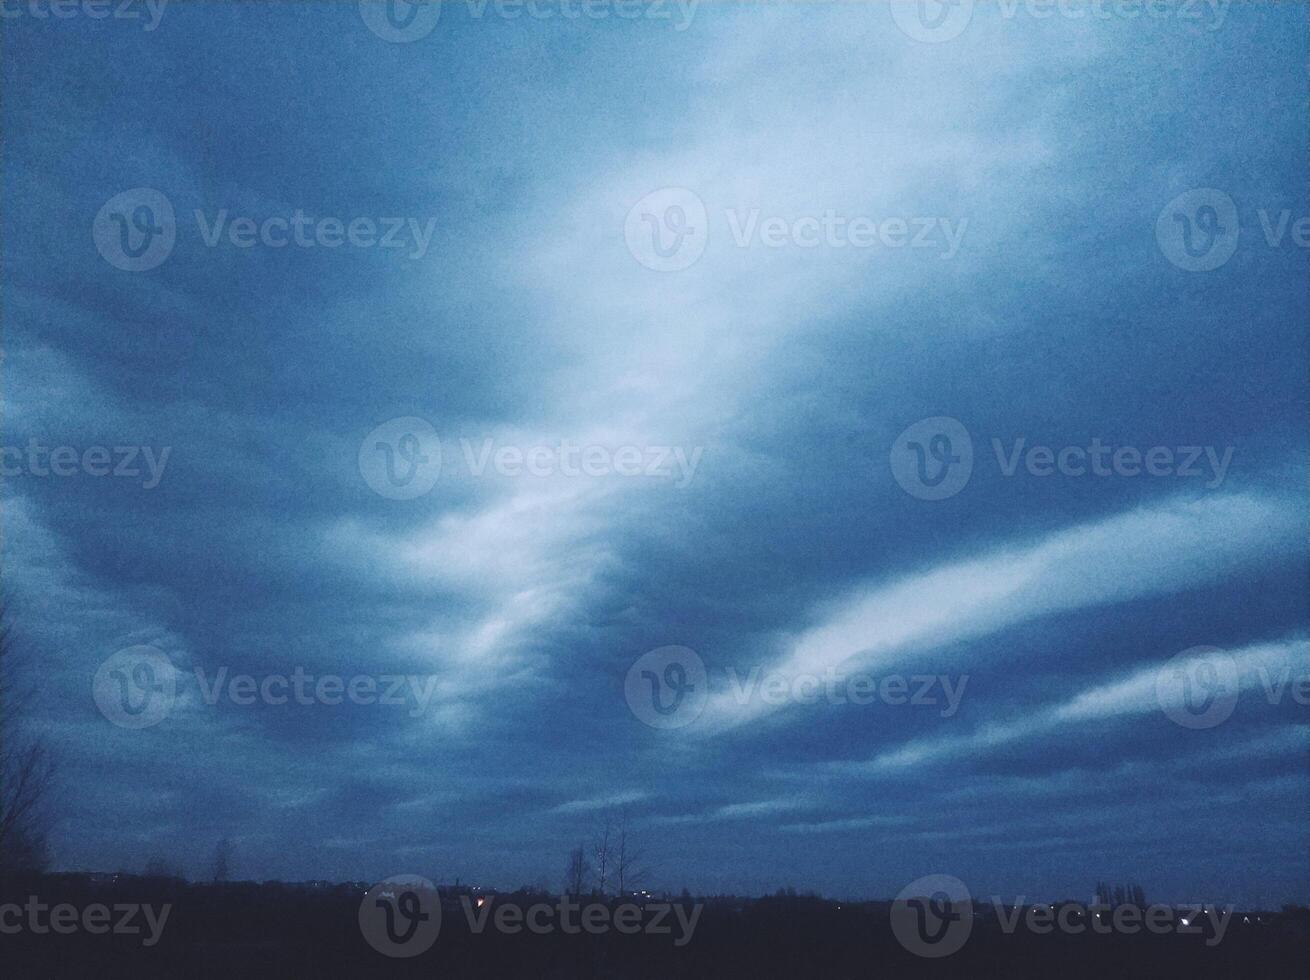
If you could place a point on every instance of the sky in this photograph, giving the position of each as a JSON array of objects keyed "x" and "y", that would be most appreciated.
[{"x": 855, "y": 443}]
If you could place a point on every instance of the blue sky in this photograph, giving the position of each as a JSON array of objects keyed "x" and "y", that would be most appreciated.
[{"x": 1051, "y": 299}]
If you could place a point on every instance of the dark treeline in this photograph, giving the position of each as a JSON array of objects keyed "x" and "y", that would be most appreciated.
[{"x": 243, "y": 929}]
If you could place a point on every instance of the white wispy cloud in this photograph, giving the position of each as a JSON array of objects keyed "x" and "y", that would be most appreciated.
[
  {"x": 1144, "y": 690},
  {"x": 600, "y": 802},
  {"x": 1147, "y": 551}
]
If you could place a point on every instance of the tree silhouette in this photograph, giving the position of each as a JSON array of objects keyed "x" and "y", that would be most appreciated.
[
  {"x": 222, "y": 857},
  {"x": 26, "y": 772},
  {"x": 575, "y": 878},
  {"x": 628, "y": 871},
  {"x": 600, "y": 852}
]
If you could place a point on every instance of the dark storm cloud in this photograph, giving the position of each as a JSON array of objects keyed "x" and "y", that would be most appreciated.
[{"x": 1049, "y": 147}]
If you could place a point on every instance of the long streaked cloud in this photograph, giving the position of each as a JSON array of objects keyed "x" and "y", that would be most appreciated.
[
  {"x": 1256, "y": 668},
  {"x": 1147, "y": 551}
]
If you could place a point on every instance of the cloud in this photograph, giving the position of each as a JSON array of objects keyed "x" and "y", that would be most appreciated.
[
  {"x": 600, "y": 802},
  {"x": 1147, "y": 551},
  {"x": 1139, "y": 693}
]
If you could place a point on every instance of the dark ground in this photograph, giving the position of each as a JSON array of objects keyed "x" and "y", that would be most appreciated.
[{"x": 275, "y": 930}]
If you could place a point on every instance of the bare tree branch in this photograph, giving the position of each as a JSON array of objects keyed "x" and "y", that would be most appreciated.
[{"x": 26, "y": 772}]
